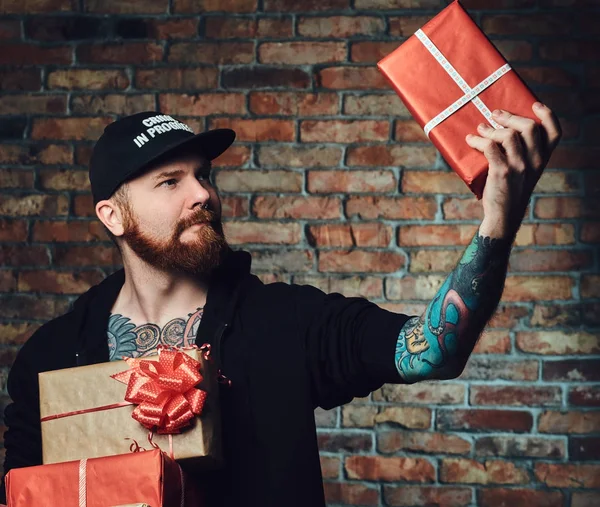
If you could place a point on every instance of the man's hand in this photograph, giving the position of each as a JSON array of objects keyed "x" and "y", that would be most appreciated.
[{"x": 517, "y": 155}]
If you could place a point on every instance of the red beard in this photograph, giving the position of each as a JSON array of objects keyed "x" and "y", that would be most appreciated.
[{"x": 199, "y": 256}]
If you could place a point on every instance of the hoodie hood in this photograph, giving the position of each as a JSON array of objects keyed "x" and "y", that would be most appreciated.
[{"x": 91, "y": 310}]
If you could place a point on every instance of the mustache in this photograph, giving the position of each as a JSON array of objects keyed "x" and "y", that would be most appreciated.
[{"x": 201, "y": 216}]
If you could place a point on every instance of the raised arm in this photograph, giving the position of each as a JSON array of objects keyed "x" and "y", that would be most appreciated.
[{"x": 437, "y": 344}]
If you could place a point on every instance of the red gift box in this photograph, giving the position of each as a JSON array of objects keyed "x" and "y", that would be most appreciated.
[
  {"x": 451, "y": 78},
  {"x": 149, "y": 477}
]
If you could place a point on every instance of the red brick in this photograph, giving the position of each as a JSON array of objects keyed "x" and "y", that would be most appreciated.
[
  {"x": 527, "y": 24},
  {"x": 30, "y": 54},
  {"x": 24, "y": 255},
  {"x": 371, "y": 51},
  {"x": 584, "y": 448},
  {"x": 490, "y": 472},
  {"x": 428, "y": 261},
  {"x": 326, "y": 418},
  {"x": 569, "y": 422},
  {"x": 545, "y": 234},
  {"x": 457, "y": 208},
  {"x": 493, "y": 342},
  {"x": 434, "y": 182},
  {"x": 83, "y": 205},
  {"x": 176, "y": 79},
  {"x": 118, "y": 7},
  {"x": 497, "y": 497},
  {"x": 413, "y": 287},
  {"x": 409, "y": 131},
  {"x": 203, "y": 104},
  {"x": 170, "y": 29},
  {"x": 21, "y": 306},
  {"x": 36, "y": 6},
  {"x": 407, "y": 417},
  {"x": 13, "y": 230},
  {"x": 590, "y": 286},
  {"x": 353, "y": 494},
  {"x": 344, "y": 442},
  {"x": 254, "y": 130},
  {"x": 568, "y": 475},
  {"x": 421, "y": 441},
  {"x": 305, "y": 5},
  {"x": 340, "y": 26},
  {"x": 378, "y": 468},
  {"x": 584, "y": 499},
  {"x": 559, "y": 207},
  {"x": 8, "y": 281},
  {"x": 64, "y": 179},
  {"x": 433, "y": 393},
  {"x": 405, "y": 26},
  {"x": 69, "y": 128},
  {"x": 258, "y": 181},
  {"x": 93, "y": 255},
  {"x": 16, "y": 178},
  {"x": 72, "y": 230},
  {"x": 263, "y": 76},
  {"x": 391, "y": 155},
  {"x": 233, "y": 206},
  {"x": 351, "y": 181},
  {"x": 283, "y": 261},
  {"x": 87, "y": 79},
  {"x": 484, "y": 420},
  {"x": 222, "y": 27},
  {"x": 235, "y": 156},
  {"x": 294, "y": 103},
  {"x": 572, "y": 370},
  {"x": 360, "y": 260},
  {"x": 22, "y": 79},
  {"x": 374, "y": 105},
  {"x": 572, "y": 50},
  {"x": 119, "y": 53},
  {"x": 217, "y": 53},
  {"x": 349, "y": 235},
  {"x": 256, "y": 232},
  {"x": 371, "y": 207},
  {"x": 567, "y": 157},
  {"x": 556, "y": 315},
  {"x": 296, "y": 207},
  {"x": 330, "y": 467},
  {"x": 435, "y": 235},
  {"x": 584, "y": 396},
  {"x": 397, "y": 4},
  {"x": 112, "y": 104},
  {"x": 591, "y": 314},
  {"x": 369, "y": 287},
  {"x": 195, "y": 6},
  {"x": 16, "y": 334},
  {"x": 508, "y": 316},
  {"x": 302, "y": 53},
  {"x": 531, "y": 288},
  {"x": 58, "y": 282},
  {"x": 486, "y": 368},
  {"x": 34, "y": 204},
  {"x": 299, "y": 156},
  {"x": 520, "y": 447},
  {"x": 515, "y": 50},
  {"x": 557, "y": 181},
  {"x": 351, "y": 78},
  {"x": 590, "y": 232},
  {"x": 33, "y": 104},
  {"x": 515, "y": 395},
  {"x": 426, "y": 496},
  {"x": 558, "y": 342},
  {"x": 499, "y": 4},
  {"x": 343, "y": 131}
]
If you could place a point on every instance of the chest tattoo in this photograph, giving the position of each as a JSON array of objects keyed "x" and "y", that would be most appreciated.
[{"x": 127, "y": 339}]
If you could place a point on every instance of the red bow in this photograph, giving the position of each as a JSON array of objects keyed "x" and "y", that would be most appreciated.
[{"x": 164, "y": 390}]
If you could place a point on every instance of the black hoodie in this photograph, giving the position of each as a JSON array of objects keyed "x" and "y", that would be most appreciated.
[{"x": 286, "y": 348}]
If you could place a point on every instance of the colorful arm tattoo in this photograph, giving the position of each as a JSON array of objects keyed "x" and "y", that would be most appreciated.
[{"x": 437, "y": 344}]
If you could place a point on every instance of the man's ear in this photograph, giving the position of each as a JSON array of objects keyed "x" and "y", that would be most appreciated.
[{"x": 110, "y": 215}]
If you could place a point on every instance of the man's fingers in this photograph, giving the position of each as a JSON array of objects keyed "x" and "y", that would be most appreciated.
[
  {"x": 491, "y": 150},
  {"x": 550, "y": 124},
  {"x": 512, "y": 143}
]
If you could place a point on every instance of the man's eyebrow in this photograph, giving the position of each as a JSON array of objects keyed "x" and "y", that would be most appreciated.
[{"x": 179, "y": 172}]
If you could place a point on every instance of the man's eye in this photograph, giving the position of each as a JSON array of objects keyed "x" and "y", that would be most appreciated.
[{"x": 168, "y": 181}]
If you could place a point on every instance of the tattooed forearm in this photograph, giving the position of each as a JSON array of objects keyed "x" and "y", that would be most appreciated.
[{"x": 437, "y": 344}]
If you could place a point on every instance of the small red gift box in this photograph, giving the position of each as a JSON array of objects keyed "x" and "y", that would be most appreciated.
[
  {"x": 451, "y": 78},
  {"x": 149, "y": 477}
]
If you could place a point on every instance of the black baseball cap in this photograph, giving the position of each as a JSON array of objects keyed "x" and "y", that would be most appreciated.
[{"x": 132, "y": 144}]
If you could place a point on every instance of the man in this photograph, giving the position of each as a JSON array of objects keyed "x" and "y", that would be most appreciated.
[{"x": 283, "y": 348}]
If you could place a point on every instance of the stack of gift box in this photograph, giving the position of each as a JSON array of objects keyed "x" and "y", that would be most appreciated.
[{"x": 114, "y": 434}]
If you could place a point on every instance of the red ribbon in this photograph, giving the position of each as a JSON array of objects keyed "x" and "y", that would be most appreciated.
[{"x": 164, "y": 390}]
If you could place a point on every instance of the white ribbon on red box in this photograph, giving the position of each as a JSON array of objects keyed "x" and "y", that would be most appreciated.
[{"x": 471, "y": 94}]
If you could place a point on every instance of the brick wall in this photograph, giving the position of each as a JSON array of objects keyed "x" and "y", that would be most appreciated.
[{"x": 332, "y": 183}]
